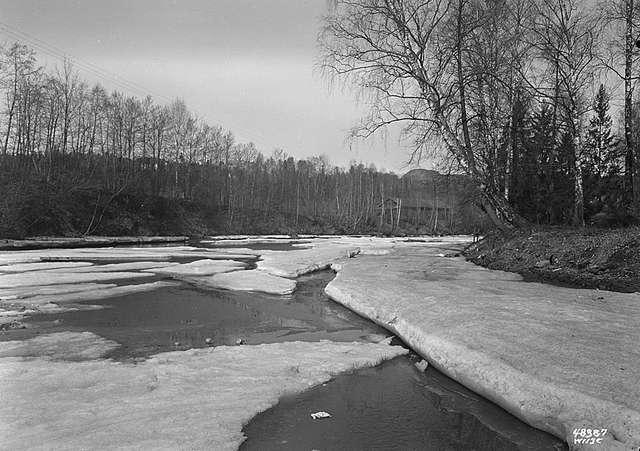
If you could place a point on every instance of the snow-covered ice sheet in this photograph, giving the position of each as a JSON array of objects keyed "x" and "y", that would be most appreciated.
[
  {"x": 92, "y": 295},
  {"x": 296, "y": 263},
  {"x": 247, "y": 238},
  {"x": 370, "y": 245},
  {"x": 248, "y": 253},
  {"x": 59, "y": 346},
  {"x": 116, "y": 267},
  {"x": 251, "y": 280},
  {"x": 198, "y": 399},
  {"x": 112, "y": 254},
  {"x": 7, "y": 294},
  {"x": 35, "y": 278},
  {"x": 200, "y": 268},
  {"x": 558, "y": 358},
  {"x": 22, "y": 267},
  {"x": 7, "y": 315},
  {"x": 253, "y": 241},
  {"x": 75, "y": 255}
]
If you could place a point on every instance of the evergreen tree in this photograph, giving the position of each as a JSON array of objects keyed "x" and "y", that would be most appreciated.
[
  {"x": 543, "y": 193},
  {"x": 602, "y": 164},
  {"x": 599, "y": 155}
]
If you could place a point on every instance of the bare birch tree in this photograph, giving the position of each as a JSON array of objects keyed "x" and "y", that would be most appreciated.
[
  {"x": 622, "y": 18},
  {"x": 413, "y": 58}
]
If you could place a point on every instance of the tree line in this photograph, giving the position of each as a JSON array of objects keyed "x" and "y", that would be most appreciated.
[
  {"x": 512, "y": 91},
  {"x": 76, "y": 159}
]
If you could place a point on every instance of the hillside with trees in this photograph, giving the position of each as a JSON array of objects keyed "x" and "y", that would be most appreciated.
[
  {"x": 77, "y": 160},
  {"x": 511, "y": 96}
]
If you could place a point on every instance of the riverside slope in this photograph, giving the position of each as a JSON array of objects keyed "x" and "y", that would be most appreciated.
[{"x": 558, "y": 358}]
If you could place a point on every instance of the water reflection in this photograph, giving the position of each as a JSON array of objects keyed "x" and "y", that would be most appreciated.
[
  {"x": 392, "y": 406},
  {"x": 184, "y": 317}
]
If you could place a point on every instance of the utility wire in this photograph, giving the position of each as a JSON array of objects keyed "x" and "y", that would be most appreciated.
[
  {"x": 55, "y": 52},
  {"x": 91, "y": 68},
  {"x": 118, "y": 81}
]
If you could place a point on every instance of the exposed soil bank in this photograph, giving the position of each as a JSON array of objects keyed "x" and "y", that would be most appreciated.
[
  {"x": 89, "y": 241},
  {"x": 606, "y": 259}
]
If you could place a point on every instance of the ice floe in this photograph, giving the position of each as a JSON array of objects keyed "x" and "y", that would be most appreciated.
[
  {"x": 248, "y": 253},
  {"x": 247, "y": 238},
  {"x": 34, "y": 278},
  {"x": 295, "y": 263},
  {"x": 251, "y": 280},
  {"x": 200, "y": 268},
  {"x": 57, "y": 242},
  {"x": 23, "y": 267},
  {"x": 29, "y": 291},
  {"x": 200, "y": 398},
  {"x": 558, "y": 358},
  {"x": 92, "y": 295},
  {"x": 249, "y": 241},
  {"x": 116, "y": 267},
  {"x": 370, "y": 245},
  {"x": 115, "y": 254},
  {"x": 60, "y": 345}
]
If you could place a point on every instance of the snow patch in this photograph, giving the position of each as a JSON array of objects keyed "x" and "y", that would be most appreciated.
[
  {"x": 112, "y": 254},
  {"x": 115, "y": 267},
  {"x": 58, "y": 346},
  {"x": 248, "y": 253},
  {"x": 283, "y": 240},
  {"x": 37, "y": 278},
  {"x": 247, "y": 238},
  {"x": 296, "y": 263},
  {"x": 23, "y": 267},
  {"x": 201, "y": 268},
  {"x": 30, "y": 291},
  {"x": 252, "y": 280},
  {"x": 203, "y": 396},
  {"x": 92, "y": 295}
]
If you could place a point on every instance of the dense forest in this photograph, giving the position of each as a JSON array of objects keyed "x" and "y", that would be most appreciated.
[
  {"x": 513, "y": 91},
  {"x": 78, "y": 160},
  {"x": 510, "y": 95}
]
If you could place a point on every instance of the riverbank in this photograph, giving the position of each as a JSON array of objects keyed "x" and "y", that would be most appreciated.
[
  {"x": 605, "y": 259},
  {"x": 88, "y": 241},
  {"x": 68, "y": 212}
]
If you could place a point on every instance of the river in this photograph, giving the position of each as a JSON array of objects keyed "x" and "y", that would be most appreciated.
[{"x": 392, "y": 406}]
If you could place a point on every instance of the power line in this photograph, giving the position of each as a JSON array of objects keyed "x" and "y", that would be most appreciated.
[
  {"x": 56, "y": 52},
  {"x": 89, "y": 67}
]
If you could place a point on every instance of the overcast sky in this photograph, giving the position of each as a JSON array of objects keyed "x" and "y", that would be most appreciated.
[{"x": 244, "y": 64}]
